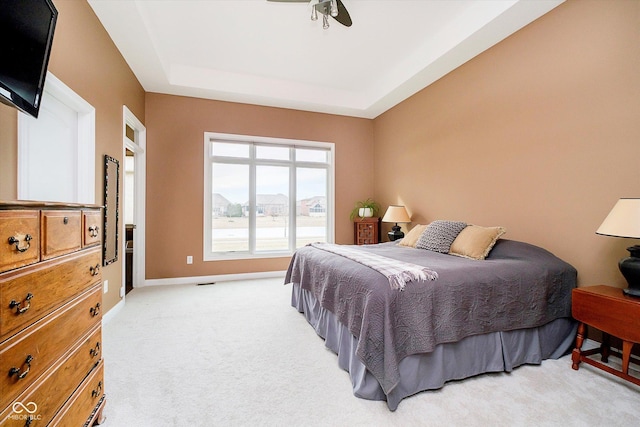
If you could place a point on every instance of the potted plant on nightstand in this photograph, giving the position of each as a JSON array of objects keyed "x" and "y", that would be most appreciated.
[{"x": 365, "y": 209}]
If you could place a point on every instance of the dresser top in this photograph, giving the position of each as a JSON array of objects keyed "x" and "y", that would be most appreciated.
[{"x": 29, "y": 204}]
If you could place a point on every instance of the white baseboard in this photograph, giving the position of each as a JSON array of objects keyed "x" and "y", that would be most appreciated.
[
  {"x": 211, "y": 279},
  {"x": 109, "y": 315}
]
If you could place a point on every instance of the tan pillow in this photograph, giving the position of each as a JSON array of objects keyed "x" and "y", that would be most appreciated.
[
  {"x": 476, "y": 242},
  {"x": 411, "y": 238}
]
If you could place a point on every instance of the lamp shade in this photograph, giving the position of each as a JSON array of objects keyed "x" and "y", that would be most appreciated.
[
  {"x": 623, "y": 220},
  {"x": 396, "y": 214}
]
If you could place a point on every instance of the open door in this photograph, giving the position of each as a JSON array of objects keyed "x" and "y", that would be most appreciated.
[{"x": 134, "y": 137}]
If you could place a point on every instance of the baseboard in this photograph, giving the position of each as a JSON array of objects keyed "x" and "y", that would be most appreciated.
[
  {"x": 109, "y": 315},
  {"x": 212, "y": 279}
]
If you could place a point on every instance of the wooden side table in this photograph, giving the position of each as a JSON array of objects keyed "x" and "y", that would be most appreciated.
[
  {"x": 366, "y": 231},
  {"x": 615, "y": 314}
]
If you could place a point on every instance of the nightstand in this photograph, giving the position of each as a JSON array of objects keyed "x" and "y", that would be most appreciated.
[
  {"x": 366, "y": 231},
  {"x": 606, "y": 308}
]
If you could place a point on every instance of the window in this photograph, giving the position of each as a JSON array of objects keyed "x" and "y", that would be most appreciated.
[{"x": 266, "y": 196}]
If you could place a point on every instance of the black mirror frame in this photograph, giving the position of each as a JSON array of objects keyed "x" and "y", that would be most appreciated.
[{"x": 111, "y": 208}]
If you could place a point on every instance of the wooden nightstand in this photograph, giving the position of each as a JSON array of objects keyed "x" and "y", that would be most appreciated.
[
  {"x": 609, "y": 310},
  {"x": 366, "y": 231}
]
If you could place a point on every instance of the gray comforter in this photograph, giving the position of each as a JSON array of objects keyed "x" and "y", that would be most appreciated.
[{"x": 518, "y": 286}]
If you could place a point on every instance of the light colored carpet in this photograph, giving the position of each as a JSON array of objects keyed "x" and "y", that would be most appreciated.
[{"x": 237, "y": 354}]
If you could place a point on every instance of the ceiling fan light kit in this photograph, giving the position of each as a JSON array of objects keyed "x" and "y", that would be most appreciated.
[{"x": 333, "y": 8}]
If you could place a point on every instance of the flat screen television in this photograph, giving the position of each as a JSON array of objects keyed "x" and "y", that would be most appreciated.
[{"x": 26, "y": 36}]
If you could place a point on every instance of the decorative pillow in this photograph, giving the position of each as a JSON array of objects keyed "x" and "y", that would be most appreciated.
[
  {"x": 439, "y": 235},
  {"x": 476, "y": 242},
  {"x": 411, "y": 238}
]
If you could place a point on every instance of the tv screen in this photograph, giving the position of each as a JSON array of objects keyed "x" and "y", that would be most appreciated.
[{"x": 26, "y": 35}]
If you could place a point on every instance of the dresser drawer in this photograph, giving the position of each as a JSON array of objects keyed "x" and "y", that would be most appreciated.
[
  {"x": 28, "y": 294},
  {"x": 19, "y": 238},
  {"x": 91, "y": 228},
  {"x": 25, "y": 356},
  {"x": 86, "y": 403},
  {"x": 51, "y": 392},
  {"x": 61, "y": 232}
]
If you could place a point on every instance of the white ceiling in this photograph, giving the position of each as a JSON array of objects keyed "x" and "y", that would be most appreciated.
[{"x": 268, "y": 53}]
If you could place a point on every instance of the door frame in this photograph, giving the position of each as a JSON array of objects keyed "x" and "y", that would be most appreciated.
[{"x": 140, "y": 163}]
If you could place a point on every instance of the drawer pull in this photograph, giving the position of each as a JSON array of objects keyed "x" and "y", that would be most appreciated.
[
  {"x": 95, "y": 310},
  {"x": 97, "y": 391},
  {"x": 16, "y": 304},
  {"x": 95, "y": 351},
  {"x": 93, "y": 231},
  {"x": 65, "y": 220},
  {"x": 16, "y": 371},
  {"x": 16, "y": 241},
  {"x": 94, "y": 271}
]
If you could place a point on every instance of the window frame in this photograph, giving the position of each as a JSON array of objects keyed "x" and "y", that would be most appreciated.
[{"x": 208, "y": 253}]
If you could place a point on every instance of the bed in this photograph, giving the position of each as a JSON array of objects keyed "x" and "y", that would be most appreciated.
[{"x": 510, "y": 309}]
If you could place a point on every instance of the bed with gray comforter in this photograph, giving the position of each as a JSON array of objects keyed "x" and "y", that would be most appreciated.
[{"x": 512, "y": 308}]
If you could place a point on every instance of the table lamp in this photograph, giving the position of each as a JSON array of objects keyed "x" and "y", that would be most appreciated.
[
  {"x": 396, "y": 213},
  {"x": 624, "y": 221}
]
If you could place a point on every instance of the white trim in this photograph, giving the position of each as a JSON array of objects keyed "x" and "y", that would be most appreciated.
[
  {"x": 139, "y": 148},
  {"x": 85, "y": 161},
  {"x": 216, "y": 278},
  {"x": 111, "y": 314}
]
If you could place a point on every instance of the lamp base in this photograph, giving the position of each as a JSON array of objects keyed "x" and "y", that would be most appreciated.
[
  {"x": 630, "y": 269},
  {"x": 396, "y": 234},
  {"x": 632, "y": 292}
]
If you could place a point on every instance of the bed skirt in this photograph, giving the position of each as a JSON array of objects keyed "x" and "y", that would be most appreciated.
[{"x": 474, "y": 355}]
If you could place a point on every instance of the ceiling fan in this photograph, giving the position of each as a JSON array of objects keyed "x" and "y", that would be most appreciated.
[{"x": 326, "y": 8}]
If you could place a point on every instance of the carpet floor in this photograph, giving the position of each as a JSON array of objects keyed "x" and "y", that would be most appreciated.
[{"x": 237, "y": 354}]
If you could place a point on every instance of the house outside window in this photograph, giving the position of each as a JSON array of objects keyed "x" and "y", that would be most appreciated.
[{"x": 266, "y": 197}]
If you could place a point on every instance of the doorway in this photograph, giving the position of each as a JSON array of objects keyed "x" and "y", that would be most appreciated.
[{"x": 134, "y": 142}]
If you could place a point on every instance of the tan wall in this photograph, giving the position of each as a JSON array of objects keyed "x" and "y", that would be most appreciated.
[
  {"x": 85, "y": 59},
  {"x": 540, "y": 134},
  {"x": 175, "y": 168},
  {"x": 8, "y": 152}
]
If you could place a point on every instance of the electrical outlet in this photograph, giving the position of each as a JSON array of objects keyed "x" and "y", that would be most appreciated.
[
  {"x": 105, "y": 284},
  {"x": 189, "y": 259}
]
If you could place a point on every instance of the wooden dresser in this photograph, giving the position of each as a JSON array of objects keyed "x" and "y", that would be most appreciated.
[
  {"x": 366, "y": 231},
  {"x": 50, "y": 314}
]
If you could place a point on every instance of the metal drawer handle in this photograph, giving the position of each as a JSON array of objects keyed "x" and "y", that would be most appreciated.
[
  {"x": 97, "y": 391},
  {"x": 16, "y": 304},
  {"x": 94, "y": 271},
  {"x": 16, "y": 371},
  {"x": 95, "y": 310},
  {"x": 93, "y": 231},
  {"x": 16, "y": 241},
  {"x": 95, "y": 351}
]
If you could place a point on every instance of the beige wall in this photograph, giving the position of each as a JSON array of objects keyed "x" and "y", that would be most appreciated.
[
  {"x": 85, "y": 59},
  {"x": 175, "y": 168},
  {"x": 540, "y": 134}
]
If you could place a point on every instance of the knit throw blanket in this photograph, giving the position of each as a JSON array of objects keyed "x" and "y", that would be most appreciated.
[{"x": 398, "y": 273}]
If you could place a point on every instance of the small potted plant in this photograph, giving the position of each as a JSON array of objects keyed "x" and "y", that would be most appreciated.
[{"x": 365, "y": 209}]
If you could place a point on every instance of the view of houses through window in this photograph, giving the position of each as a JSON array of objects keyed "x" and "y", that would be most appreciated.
[{"x": 266, "y": 195}]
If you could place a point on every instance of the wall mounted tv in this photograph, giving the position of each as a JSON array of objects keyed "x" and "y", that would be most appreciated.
[{"x": 26, "y": 36}]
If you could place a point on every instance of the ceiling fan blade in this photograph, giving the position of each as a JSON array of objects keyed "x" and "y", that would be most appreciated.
[{"x": 343, "y": 16}]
